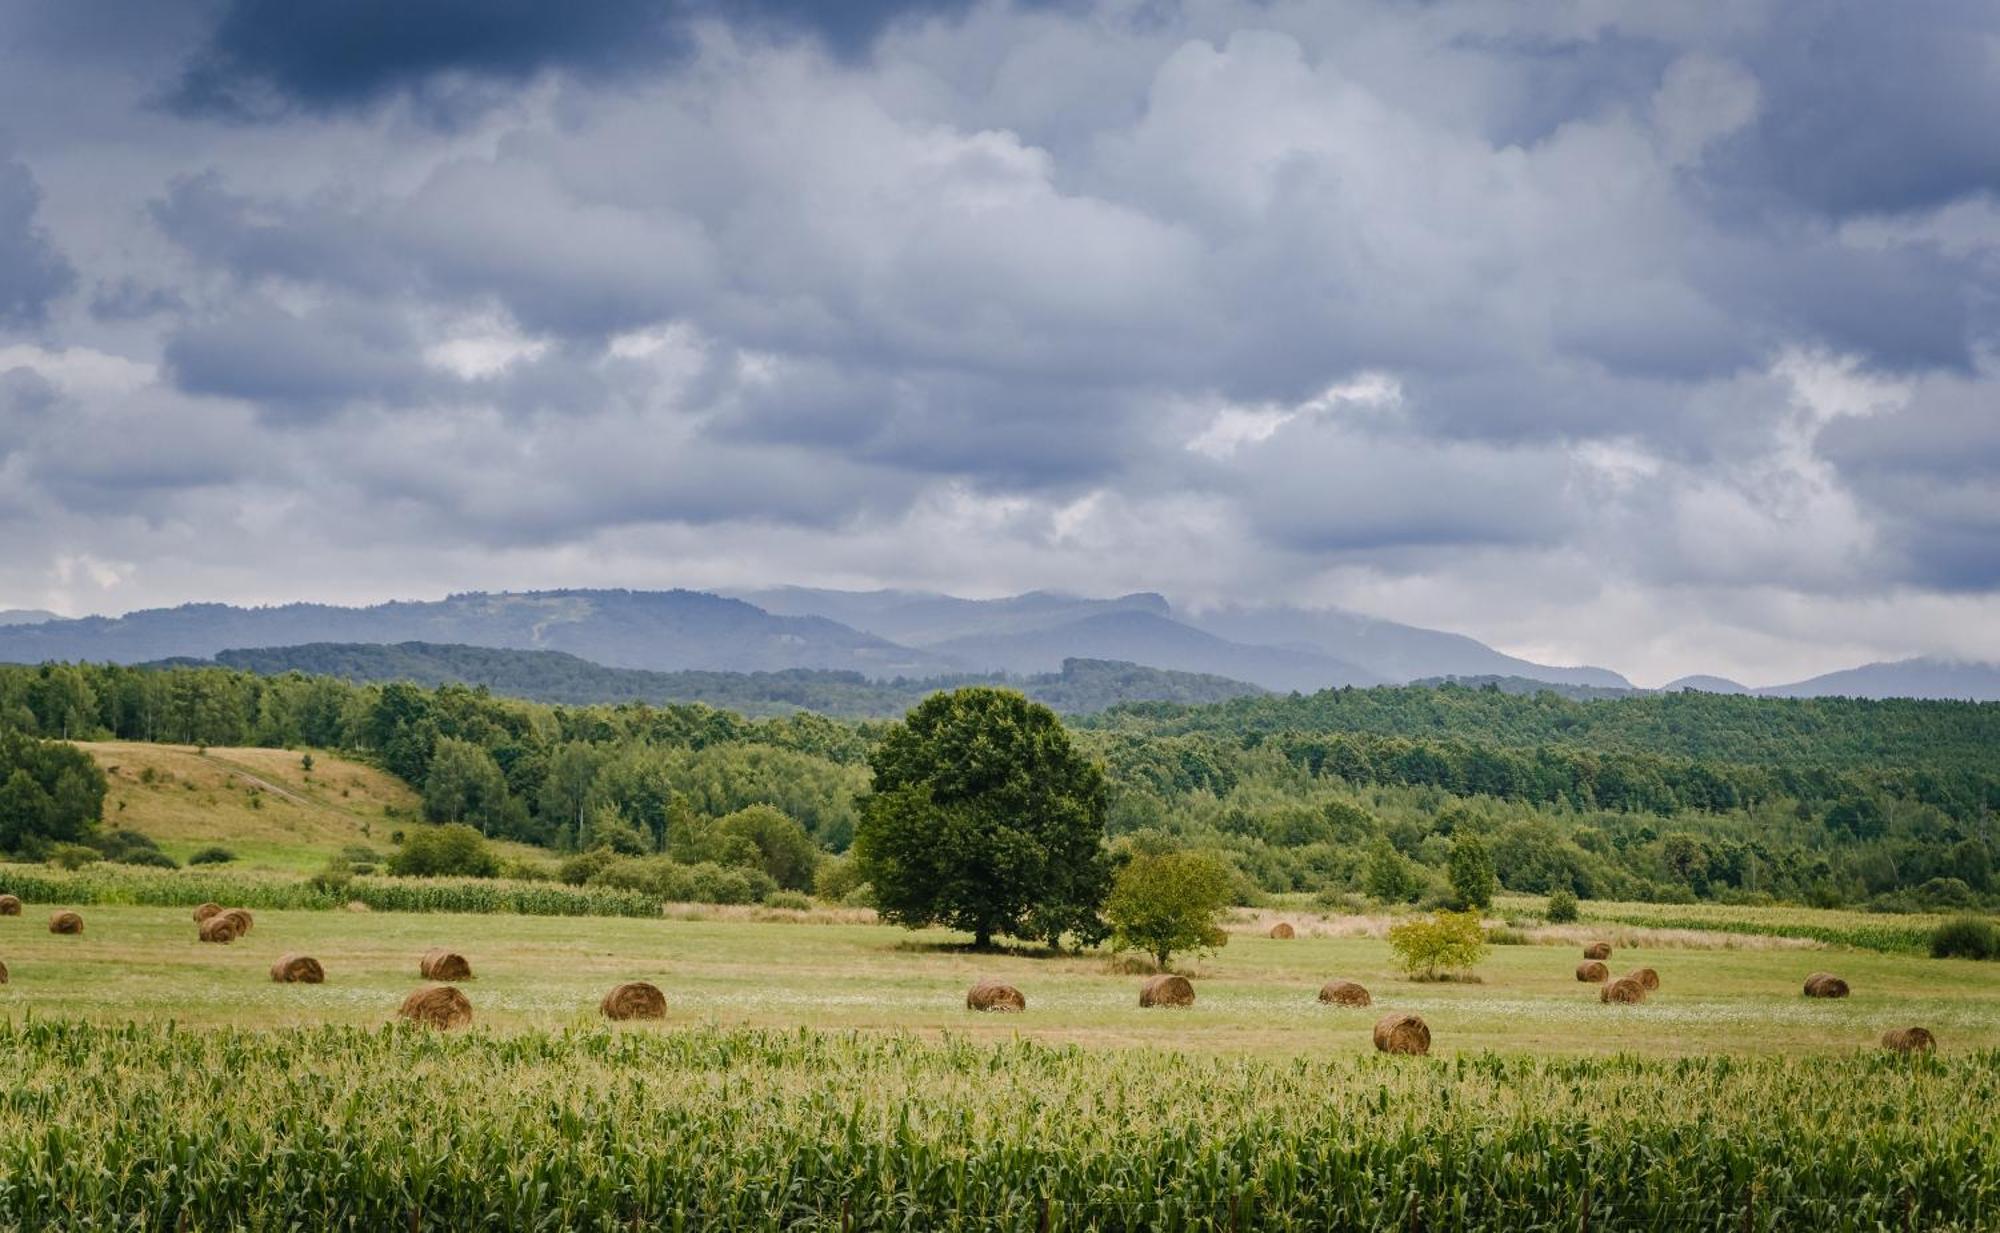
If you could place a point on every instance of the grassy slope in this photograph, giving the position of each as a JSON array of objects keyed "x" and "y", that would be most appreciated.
[
  {"x": 196, "y": 798},
  {"x": 1257, "y": 995}
]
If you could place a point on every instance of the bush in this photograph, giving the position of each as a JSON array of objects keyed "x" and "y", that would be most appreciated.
[
  {"x": 1945, "y": 893},
  {"x": 454, "y": 850},
  {"x": 334, "y": 877},
  {"x": 212, "y": 856},
  {"x": 1965, "y": 937},
  {"x": 788, "y": 899},
  {"x": 1446, "y": 942},
  {"x": 578, "y": 870},
  {"x": 1562, "y": 907},
  {"x": 666, "y": 879},
  {"x": 73, "y": 856},
  {"x": 838, "y": 877},
  {"x": 151, "y": 857},
  {"x": 526, "y": 871}
]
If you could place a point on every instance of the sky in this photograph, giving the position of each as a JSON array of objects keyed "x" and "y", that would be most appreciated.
[{"x": 1662, "y": 337}]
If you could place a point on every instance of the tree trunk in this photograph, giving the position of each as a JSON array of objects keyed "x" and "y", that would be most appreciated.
[{"x": 982, "y": 939}]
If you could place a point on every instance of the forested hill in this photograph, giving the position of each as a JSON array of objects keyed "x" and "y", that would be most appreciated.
[
  {"x": 1902, "y": 733},
  {"x": 1083, "y": 685}
]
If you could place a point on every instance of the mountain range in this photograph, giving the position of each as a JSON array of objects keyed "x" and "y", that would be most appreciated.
[{"x": 885, "y": 635}]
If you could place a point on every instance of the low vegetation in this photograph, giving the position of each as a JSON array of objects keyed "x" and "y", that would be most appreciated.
[{"x": 725, "y": 1128}]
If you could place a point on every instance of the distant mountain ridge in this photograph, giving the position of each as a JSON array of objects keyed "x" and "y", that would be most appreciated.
[
  {"x": 1080, "y": 687},
  {"x": 884, "y": 635}
]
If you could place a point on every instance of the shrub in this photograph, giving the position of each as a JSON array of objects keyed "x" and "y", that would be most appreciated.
[
  {"x": 454, "y": 850},
  {"x": 214, "y": 855},
  {"x": 526, "y": 871},
  {"x": 1473, "y": 879},
  {"x": 837, "y": 878},
  {"x": 152, "y": 857},
  {"x": 578, "y": 870},
  {"x": 333, "y": 877},
  {"x": 1945, "y": 893},
  {"x": 1562, "y": 907},
  {"x": 73, "y": 855},
  {"x": 1965, "y": 937},
  {"x": 788, "y": 899},
  {"x": 1446, "y": 942}
]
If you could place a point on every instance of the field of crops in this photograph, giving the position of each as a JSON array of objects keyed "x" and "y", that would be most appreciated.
[
  {"x": 706, "y": 1127},
  {"x": 182, "y": 888}
]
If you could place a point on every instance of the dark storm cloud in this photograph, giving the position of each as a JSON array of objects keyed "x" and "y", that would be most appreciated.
[
  {"x": 1871, "y": 109},
  {"x": 32, "y": 271},
  {"x": 265, "y": 55}
]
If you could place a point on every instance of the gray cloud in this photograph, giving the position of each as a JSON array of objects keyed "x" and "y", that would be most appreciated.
[
  {"x": 32, "y": 272},
  {"x": 1540, "y": 322}
]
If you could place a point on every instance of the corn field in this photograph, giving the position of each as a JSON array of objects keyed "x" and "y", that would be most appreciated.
[
  {"x": 153, "y": 1127},
  {"x": 185, "y": 888}
]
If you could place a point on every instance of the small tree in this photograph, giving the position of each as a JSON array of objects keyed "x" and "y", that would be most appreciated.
[
  {"x": 1167, "y": 903},
  {"x": 1446, "y": 942},
  {"x": 1472, "y": 878},
  {"x": 1562, "y": 906},
  {"x": 1388, "y": 875}
]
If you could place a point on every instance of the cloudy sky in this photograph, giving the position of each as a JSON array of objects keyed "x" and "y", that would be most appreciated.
[{"x": 1661, "y": 336}]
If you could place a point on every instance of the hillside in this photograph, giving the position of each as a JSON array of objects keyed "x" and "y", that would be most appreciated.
[
  {"x": 262, "y": 804},
  {"x": 1081, "y": 686}
]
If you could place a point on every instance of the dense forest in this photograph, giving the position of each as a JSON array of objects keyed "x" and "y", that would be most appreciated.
[
  {"x": 1082, "y": 686},
  {"x": 1346, "y": 793}
]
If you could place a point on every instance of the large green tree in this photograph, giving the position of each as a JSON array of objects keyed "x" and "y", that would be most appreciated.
[{"x": 985, "y": 817}]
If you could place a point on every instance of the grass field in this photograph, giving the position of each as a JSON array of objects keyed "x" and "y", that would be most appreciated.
[{"x": 1256, "y": 995}]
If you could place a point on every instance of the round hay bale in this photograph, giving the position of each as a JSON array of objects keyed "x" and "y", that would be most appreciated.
[
  {"x": 1909, "y": 1040},
  {"x": 1344, "y": 993},
  {"x": 441, "y": 964},
  {"x": 65, "y": 922},
  {"x": 222, "y": 928},
  {"x": 1401, "y": 1033},
  {"x": 9, "y": 905},
  {"x": 297, "y": 970},
  {"x": 1167, "y": 990},
  {"x": 1597, "y": 950},
  {"x": 205, "y": 911},
  {"x": 1593, "y": 971},
  {"x": 1624, "y": 991},
  {"x": 1647, "y": 977},
  {"x": 635, "y": 999},
  {"x": 1283, "y": 930},
  {"x": 1825, "y": 985},
  {"x": 438, "y": 1006},
  {"x": 242, "y": 918},
  {"x": 995, "y": 995}
]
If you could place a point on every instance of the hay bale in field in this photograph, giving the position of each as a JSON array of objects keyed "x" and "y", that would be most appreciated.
[
  {"x": 635, "y": 999},
  {"x": 995, "y": 995},
  {"x": 297, "y": 970},
  {"x": 1167, "y": 990},
  {"x": 438, "y": 1006},
  {"x": 1593, "y": 971},
  {"x": 1283, "y": 930},
  {"x": 222, "y": 928},
  {"x": 65, "y": 922},
  {"x": 9, "y": 906},
  {"x": 441, "y": 964},
  {"x": 1624, "y": 991},
  {"x": 1645, "y": 976},
  {"x": 205, "y": 911},
  {"x": 1909, "y": 1040},
  {"x": 1597, "y": 950},
  {"x": 1401, "y": 1033},
  {"x": 355, "y": 905},
  {"x": 1344, "y": 993},
  {"x": 241, "y": 916},
  {"x": 1825, "y": 985}
]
